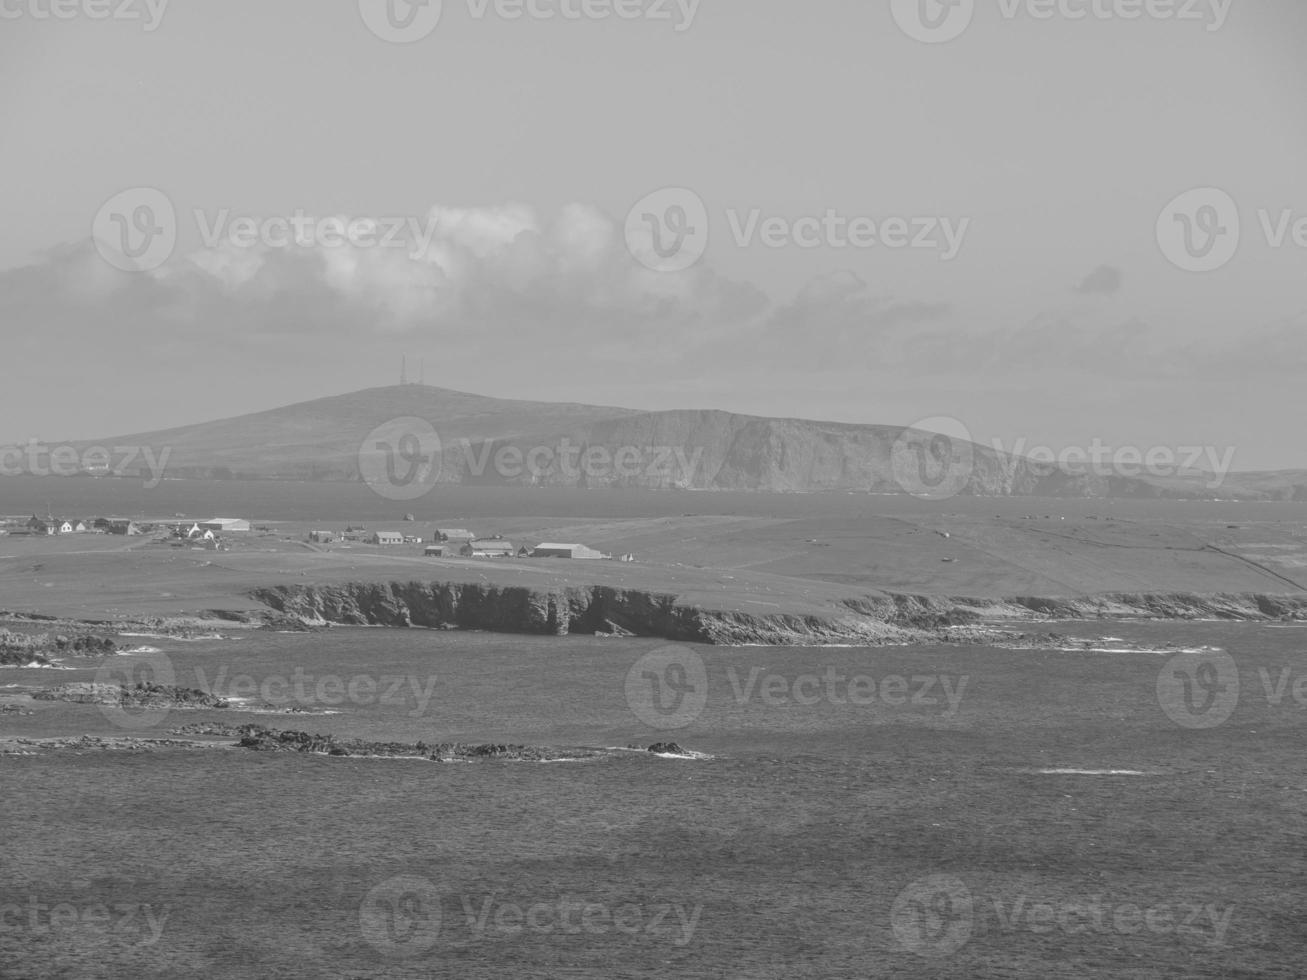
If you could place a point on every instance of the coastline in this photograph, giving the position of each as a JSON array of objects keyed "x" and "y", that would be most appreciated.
[{"x": 886, "y": 619}]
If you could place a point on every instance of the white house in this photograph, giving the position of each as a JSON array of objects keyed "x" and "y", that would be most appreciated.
[{"x": 386, "y": 538}]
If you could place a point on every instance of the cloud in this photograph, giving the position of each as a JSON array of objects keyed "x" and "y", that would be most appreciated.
[
  {"x": 563, "y": 288},
  {"x": 467, "y": 275},
  {"x": 1103, "y": 281}
]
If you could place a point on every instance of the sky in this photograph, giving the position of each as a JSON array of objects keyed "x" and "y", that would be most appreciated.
[{"x": 1055, "y": 221}]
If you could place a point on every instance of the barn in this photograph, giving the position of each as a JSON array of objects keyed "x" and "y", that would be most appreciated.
[
  {"x": 575, "y": 551},
  {"x": 447, "y": 534},
  {"x": 225, "y": 524},
  {"x": 488, "y": 548}
]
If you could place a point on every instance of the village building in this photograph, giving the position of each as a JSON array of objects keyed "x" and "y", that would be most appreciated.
[
  {"x": 575, "y": 551},
  {"x": 55, "y": 525},
  {"x": 225, "y": 524},
  {"x": 447, "y": 534},
  {"x": 435, "y": 551},
  {"x": 488, "y": 548},
  {"x": 322, "y": 537},
  {"x": 123, "y": 527},
  {"x": 386, "y": 538}
]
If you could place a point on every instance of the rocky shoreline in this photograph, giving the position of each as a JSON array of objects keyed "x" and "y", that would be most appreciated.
[
  {"x": 886, "y": 619},
  {"x": 883, "y": 619},
  {"x": 257, "y": 738},
  {"x": 24, "y": 649}
]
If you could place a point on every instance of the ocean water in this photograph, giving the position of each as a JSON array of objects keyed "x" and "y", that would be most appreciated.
[
  {"x": 895, "y": 812},
  {"x": 278, "y": 501}
]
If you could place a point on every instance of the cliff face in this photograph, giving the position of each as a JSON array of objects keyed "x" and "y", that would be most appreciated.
[
  {"x": 588, "y": 610},
  {"x": 601, "y": 609},
  {"x": 722, "y": 451}
]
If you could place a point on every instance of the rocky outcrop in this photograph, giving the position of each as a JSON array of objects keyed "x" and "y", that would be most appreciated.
[
  {"x": 28, "y": 648},
  {"x": 143, "y": 695},
  {"x": 879, "y": 619},
  {"x": 260, "y": 739}
]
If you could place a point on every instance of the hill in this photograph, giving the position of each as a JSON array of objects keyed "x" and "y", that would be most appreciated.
[{"x": 415, "y": 435}]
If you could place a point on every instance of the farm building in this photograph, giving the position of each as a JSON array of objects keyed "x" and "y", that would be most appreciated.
[
  {"x": 446, "y": 534},
  {"x": 435, "y": 551},
  {"x": 51, "y": 525},
  {"x": 225, "y": 524},
  {"x": 577, "y": 551},
  {"x": 56, "y": 525},
  {"x": 386, "y": 538},
  {"x": 322, "y": 537},
  {"x": 488, "y": 548}
]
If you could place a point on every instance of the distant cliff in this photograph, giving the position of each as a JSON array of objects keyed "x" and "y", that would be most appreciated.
[
  {"x": 453, "y": 437},
  {"x": 590, "y": 610}
]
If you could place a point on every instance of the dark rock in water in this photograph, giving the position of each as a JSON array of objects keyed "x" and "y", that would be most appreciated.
[
  {"x": 143, "y": 695},
  {"x": 262, "y": 739},
  {"x": 23, "y": 648},
  {"x": 667, "y": 748}
]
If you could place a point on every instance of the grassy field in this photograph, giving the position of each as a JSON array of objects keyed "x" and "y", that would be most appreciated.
[{"x": 732, "y": 562}]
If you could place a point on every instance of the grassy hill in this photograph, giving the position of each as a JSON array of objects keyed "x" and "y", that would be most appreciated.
[{"x": 474, "y": 439}]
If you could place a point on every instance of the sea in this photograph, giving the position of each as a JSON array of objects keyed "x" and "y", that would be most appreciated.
[
  {"x": 1134, "y": 809},
  {"x": 269, "y": 500}
]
